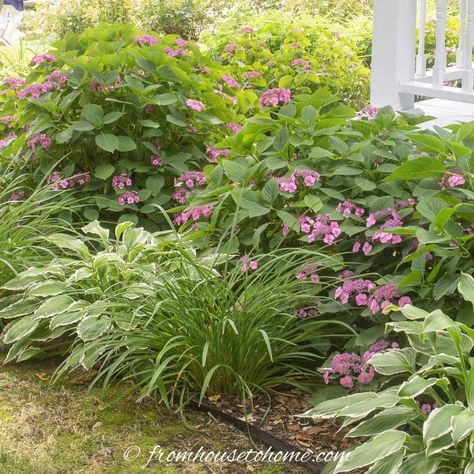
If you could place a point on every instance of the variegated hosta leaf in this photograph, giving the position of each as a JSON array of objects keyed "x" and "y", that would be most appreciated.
[
  {"x": 47, "y": 288},
  {"x": 92, "y": 327},
  {"x": 21, "y": 308},
  {"x": 19, "y": 329},
  {"x": 96, "y": 229},
  {"x": 53, "y": 306},
  {"x": 386, "y": 399},
  {"x": 329, "y": 408},
  {"x": 466, "y": 287},
  {"x": 21, "y": 283},
  {"x": 439, "y": 422},
  {"x": 439, "y": 445},
  {"x": 462, "y": 425},
  {"x": 419, "y": 464},
  {"x": 394, "y": 361},
  {"x": 372, "y": 451},
  {"x": 390, "y": 465},
  {"x": 66, "y": 319},
  {"x": 417, "y": 385},
  {"x": 437, "y": 321},
  {"x": 64, "y": 241},
  {"x": 412, "y": 312},
  {"x": 469, "y": 389},
  {"x": 383, "y": 421}
]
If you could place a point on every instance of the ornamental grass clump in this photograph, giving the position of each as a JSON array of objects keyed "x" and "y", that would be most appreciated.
[{"x": 231, "y": 329}]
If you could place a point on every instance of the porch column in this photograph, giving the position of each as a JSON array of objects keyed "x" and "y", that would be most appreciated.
[{"x": 393, "y": 52}]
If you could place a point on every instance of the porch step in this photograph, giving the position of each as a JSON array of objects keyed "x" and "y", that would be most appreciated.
[{"x": 446, "y": 112}]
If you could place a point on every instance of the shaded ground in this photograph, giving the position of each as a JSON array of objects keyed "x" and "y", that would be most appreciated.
[{"x": 57, "y": 429}]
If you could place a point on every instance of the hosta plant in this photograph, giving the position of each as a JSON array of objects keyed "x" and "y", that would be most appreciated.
[
  {"x": 423, "y": 420},
  {"x": 88, "y": 286}
]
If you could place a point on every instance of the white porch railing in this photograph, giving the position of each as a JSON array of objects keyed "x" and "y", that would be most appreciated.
[{"x": 399, "y": 69}]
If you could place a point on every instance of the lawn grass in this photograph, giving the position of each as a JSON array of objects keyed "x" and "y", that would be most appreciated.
[{"x": 47, "y": 429}]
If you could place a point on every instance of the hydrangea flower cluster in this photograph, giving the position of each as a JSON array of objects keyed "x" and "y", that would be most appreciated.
[
  {"x": 156, "y": 161},
  {"x": 54, "y": 81},
  {"x": 452, "y": 179},
  {"x": 346, "y": 208},
  {"x": 41, "y": 138},
  {"x": 17, "y": 196},
  {"x": 195, "y": 105},
  {"x": 7, "y": 140},
  {"x": 7, "y": 120},
  {"x": 230, "y": 81},
  {"x": 321, "y": 226},
  {"x": 290, "y": 185},
  {"x": 252, "y": 74},
  {"x": 58, "y": 182},
  {"x": 389, "y": 211},
  {"x": 368, "y": 112},
  {"x": 13, "y": 82},
  {"x": 233, "y": 127},
  {"x": 174, "y": 52},
  {"x": 121, "y": 181},
  {"x": 275, "y": 97},
  {"x": 385, "y": 296},
  {"x": 308, "y": 272},
  {"x": 43, "y": 58},
  {"x": 247, "y": 30},
  {"x": 352, "y": 366},
  {"x": 358, "y": 288},
  {"x": 230, "y": 48},
  {"x": 216, "y": 153},
  {"x": 195, "y": 213},
  {"x": 190, "y": 179},
  {"x": 226, "y": 96},
  {"x": 128, "y": 197},
  {"x": 427, "y": 408},
  {"x": 181, "y": 195},
  {"x": 301, "y": 62},
  {"x": 146, "y": 40},
  {"x": 305, "y": 313},
  {"x": 246, "y": 263}
]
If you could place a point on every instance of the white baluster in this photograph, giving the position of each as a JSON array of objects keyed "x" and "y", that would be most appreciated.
[
  {"x": 462, "y": 35},
  {"x": 421, "y": 57},
  {"x": 467, "y": 82},
  {"x": 439, "y": 69}
]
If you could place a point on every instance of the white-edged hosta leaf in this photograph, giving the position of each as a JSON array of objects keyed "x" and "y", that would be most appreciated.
[
  {"x": 47, "y": 288},
  {"x": 415, "y": 386},
  {"x": 96, "y": 229},
  {"x": 29, "y": 353},
  {"x": 386, "y": 399},
  {"x": 374, "y": 450},
  {"x": 329, "y": 408},
  {"x": 21, "y": 283},
  {"x": 121, "y": 228},
  {"x": 439, "y": 422},
  {"x": 388, "y": 465},
  {"x": 15, "y": 350},
  {"x": 16, "y": 310},
  {"x": 437, "y": 321},
  {"x": 64, "y": 241},
  {"x": 470, "y": 388},
  {"x": 419, "y": 464},
  {"x": 466, "y": 287},
  {"x": 394, "y": 361},
  {"x": 412, "y": 312},
  {"x": 439, "y": 445},
  {"x": 462, "y": 425},
  {"x": 19, "y": 329},
  {"x": 92, "y": 327},
  {"x": 66, "y": 319},
  {"x": 79, "y": 275},
  {"x": 386, "y": 420},
  {"x": 53, "y": 306}
]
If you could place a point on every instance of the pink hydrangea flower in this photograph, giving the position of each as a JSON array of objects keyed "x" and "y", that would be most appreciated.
[
  {"x": 246, "y": 263},
  {"x": 452, "y": 179},
  {"x": 181, "y": 195},
  {"x": 233, "y": 127},
  {"x": 42, "y": 58},
  {"x": 230, "y": 81},
  {"x": 301, "y": 62},
  {"x": 121, "y": 181},
  {"x": 128, "y": 197},
  {"x": 195, "y": 105},
  {"x": 7, "y": 140},
  {"x": 157, "y": 161},
  {"x": 231, "y": 47},
  {"x": 195, "y": 213},
  {"x": 321, "y": 226},
  {"x": 365, "y": 378},
  {"x": 190, "y": 179},
  {"x": 275, "y": 97},
  {"x": 146, "y": 40},
  {"x": 41, "y": 138},
  {"x": 347, "y": 381},
  {"x": 252, "y": 74},
  {"x": 368, "y": 112},
  {"x": 216, "y": 153}
]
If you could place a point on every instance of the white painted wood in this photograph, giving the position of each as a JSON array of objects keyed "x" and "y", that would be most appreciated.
[
  {"x": 421, "y": 57},
  {"x": 425, "y": 89},
  {"x": 462, "y": 34},
  {"x": 393, "y": 52},
  {"x": 467, "y": 82},
  {"x": 439, "y": 68},
  {"x": 445, "y": 111}
]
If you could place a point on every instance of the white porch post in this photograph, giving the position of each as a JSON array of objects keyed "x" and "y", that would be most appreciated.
[{"x": 393, "y": 52}]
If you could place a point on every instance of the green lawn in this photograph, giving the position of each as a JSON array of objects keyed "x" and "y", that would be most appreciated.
[{"x": 48, "y": 429}]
